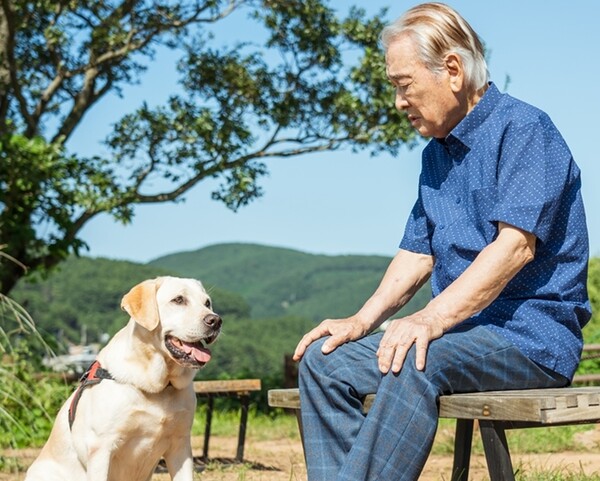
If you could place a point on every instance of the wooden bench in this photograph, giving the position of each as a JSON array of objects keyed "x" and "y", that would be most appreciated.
[
  {"x": 590, "y": 351},
  {"x": 495, "y": 412},
  {"x": 240, "y": 388}
]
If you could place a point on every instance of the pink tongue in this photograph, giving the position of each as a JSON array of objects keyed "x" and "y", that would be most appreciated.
[{"x": 201, "y": 354}]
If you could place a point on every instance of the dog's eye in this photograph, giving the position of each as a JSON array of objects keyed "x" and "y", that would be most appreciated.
[
  {"x": 207, "y": 303},
  {"x": 178, "y": 300}
]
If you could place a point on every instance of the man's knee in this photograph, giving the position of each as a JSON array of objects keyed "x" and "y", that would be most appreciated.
[{"x": 312, "y": 360}]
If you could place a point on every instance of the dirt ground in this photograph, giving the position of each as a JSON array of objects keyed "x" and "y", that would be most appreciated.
[{"x": 282, "y": 460}]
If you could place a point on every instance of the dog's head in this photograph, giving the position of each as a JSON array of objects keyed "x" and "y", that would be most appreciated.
[{"x": 182, "y": 312}]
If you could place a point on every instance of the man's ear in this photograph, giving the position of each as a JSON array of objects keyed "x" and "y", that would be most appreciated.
[
  {"x": 140, "y": 304},
  {"x": 456, "y": 73}
]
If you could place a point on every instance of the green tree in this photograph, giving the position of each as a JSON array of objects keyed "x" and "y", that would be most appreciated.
[{"x": 322, "y": 88}]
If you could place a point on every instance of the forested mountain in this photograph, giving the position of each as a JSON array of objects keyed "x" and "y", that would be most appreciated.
[
  {"x": 277, "y": 281},
  {"x": 84, "y": 295}
]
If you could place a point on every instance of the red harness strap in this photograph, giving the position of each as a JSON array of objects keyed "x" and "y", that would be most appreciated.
[{"x": 92, "y": 376}]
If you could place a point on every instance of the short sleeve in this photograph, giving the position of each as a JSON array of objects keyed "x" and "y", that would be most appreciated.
[
  {"x": 417, "y": 236},
  {"x": 532, "y": 176}
]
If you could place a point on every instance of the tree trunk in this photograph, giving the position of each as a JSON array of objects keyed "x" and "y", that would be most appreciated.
[
  {"x": 5, "y": 46},
  {"x": 10, "y": 273}
]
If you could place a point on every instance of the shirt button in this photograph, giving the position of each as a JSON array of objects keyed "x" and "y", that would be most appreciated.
[{"x": 458, "y": 200}]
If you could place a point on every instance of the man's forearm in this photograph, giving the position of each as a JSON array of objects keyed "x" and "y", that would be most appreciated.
[
  {"x": 404, "y": 276},
  {"x": 483, "y": 281}
]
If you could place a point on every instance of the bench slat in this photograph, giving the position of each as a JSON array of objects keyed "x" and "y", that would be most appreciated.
[
  {"x": 545, "y": 406},
  {"x": 284, "y": 398},
  {"x": 228, "y": 386}
]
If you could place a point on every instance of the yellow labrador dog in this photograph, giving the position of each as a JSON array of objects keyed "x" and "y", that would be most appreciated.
[{"x": 138, "y": 402}]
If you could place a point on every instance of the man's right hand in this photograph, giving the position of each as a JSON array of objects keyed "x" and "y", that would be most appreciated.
[{"x": 340, "y": 331}]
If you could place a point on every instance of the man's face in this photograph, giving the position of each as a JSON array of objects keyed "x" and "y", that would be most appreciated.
[{"x": 428, "y": 98}]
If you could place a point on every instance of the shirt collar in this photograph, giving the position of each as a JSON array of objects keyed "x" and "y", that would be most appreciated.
[
  {"x": 468, "y": 126},
  {"x": 458, "y": 141}
]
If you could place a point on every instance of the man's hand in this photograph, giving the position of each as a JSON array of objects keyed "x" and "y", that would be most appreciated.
[
  {"x": 340, "y": 331},
  {"x": 404, "y": 276},
  {"x": 419, "y": 329}
]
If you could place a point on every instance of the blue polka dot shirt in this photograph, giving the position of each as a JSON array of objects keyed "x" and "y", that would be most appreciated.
[{"x": 507, "y": 162}]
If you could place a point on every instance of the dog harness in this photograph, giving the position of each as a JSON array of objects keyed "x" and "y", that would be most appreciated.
[{"x": 94, "y": 375}]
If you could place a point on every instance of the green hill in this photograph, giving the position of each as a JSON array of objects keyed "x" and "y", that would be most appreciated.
[
  {"x": 84, "y": 295},
  {"x": 278, "y": 282}
]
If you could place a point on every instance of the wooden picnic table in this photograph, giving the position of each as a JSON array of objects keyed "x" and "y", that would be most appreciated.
[{"x": 239, "y": 388}]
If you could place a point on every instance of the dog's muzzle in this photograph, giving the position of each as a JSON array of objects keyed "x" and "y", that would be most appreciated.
[{"x": 194, "y": 354}]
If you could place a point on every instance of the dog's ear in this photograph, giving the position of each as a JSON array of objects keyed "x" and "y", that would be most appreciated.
[{"x": 140, "y": 304}]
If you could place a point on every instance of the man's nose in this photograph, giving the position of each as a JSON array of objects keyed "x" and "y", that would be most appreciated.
[{"x": 400, "y": 101}]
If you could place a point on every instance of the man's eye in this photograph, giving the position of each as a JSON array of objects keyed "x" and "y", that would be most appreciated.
[{"x": 178, "y": 300}]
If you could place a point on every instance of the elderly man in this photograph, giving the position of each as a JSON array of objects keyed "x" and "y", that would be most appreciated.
[{"x": 498, "y": 225}]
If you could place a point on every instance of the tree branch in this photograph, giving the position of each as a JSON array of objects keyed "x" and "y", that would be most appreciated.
[
  {"x": 217, "y": 168},
  {"x": 102, "y": 63},
  {"x": 5, "y": 45},
  {"x": 46, "y": 97},
  {"x": 83, "y": 101},
  {"x": 233, "y": 4},
  {"x": 57, "y": 81},
  {"x": 8, "y": 60}
]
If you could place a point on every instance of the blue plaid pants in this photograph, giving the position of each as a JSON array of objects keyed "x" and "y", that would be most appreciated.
[{"x": 393, "y": 441}]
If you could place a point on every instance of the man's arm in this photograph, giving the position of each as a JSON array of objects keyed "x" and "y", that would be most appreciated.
[
  {"x": 477, "y": 287},
  {"x": 404, "y": 276}
]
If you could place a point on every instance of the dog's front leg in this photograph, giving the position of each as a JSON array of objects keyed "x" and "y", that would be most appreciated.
[
  {"x": 98, "y": 464},
  {"x": 180, "y": 462}
]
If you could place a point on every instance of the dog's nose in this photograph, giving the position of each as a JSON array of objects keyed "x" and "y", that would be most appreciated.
[{"x": 212, "y": 320}]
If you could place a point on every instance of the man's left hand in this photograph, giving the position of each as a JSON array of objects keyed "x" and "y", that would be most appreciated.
[{"x": 419, "y": 329}]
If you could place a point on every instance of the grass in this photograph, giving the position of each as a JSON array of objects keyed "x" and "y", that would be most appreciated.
[
  {"x": 558, "y": 474},
  {"x": 524, "y": 441},
  {"x": 260, "y": 426},
  {"x": 529, "y": 441}
]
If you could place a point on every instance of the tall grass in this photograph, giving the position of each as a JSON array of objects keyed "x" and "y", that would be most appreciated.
[{"x": 28, "y": 402}]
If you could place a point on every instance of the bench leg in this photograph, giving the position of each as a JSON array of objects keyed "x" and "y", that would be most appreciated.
[
  {"x": 299, "y": 419},
  {"x": 496, "y": 450},
  {"x": 462, "y": 449},
  {"x": 245, "y": 401},
  {"x": 207, "y": 426}
]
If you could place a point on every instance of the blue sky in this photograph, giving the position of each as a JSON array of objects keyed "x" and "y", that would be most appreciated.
[{"x": 348, "y": 203}]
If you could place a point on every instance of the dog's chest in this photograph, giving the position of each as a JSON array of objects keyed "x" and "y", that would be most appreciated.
[
  {"x": 165, "y": 413},
  {"x": 130, "y": 417}
]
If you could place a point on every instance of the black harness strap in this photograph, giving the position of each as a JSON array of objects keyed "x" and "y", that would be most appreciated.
[{"x": 94, "y": 374}]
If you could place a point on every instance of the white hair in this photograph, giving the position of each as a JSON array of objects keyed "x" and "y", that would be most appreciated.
[{"x": 439, "y": 30}]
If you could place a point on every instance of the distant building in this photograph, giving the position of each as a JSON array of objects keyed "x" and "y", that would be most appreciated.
[{"x": 76, "y": 361}]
